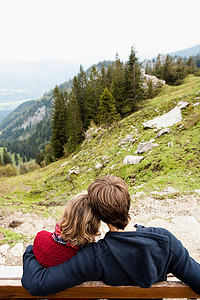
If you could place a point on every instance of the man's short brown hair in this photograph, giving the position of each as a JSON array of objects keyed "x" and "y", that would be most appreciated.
[{"x": 110, "y": 200}]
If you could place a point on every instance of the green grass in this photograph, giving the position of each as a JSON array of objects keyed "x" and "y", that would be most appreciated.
[
  {"x": 46, "y": 190},
  {"x": 10, "y": 237}
]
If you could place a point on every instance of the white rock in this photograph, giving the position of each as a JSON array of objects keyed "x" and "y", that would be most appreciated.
[
  {"x": 73, "y": 171},
  {"x": 133, "y": 160},
  {"x": 64, "y": 164},
  {"x": 112, "y": 167},
  {"x": 4, "y": 249},
  {"x": 182, "y": 104},
  {"x": 196, "y": 104},
  {"x": 146, "y": 146},
  {"x": 163, "y": 131},
  {"x": 98, "y": 166},
  {"x": 17, "y": 250},
  {"x": 127, "y": 140},
  {"x": 169, "y": 144},
  {"x": 172, "y": 117}
]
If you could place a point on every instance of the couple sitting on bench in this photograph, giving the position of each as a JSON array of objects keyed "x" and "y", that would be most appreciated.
[{"x": 127, "y": 255}]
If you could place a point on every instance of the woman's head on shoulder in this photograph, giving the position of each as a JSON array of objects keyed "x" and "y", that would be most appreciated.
[{"x": 79, "y": 224}]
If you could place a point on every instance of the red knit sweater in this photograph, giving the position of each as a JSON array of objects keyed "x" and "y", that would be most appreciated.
[{"x": 49, "y": 252}]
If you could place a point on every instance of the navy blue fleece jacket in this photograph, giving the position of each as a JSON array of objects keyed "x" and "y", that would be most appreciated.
[{"x": 140, "y": 257}]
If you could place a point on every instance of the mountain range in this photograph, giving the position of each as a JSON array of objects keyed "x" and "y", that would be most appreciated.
[{"x": 192, "y": 51}]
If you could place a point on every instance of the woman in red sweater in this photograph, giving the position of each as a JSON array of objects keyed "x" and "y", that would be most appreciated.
[{"x": 77, "y": 228}]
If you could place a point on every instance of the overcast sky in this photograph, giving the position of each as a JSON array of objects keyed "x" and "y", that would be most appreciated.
[{"x": 88, "y": 31}]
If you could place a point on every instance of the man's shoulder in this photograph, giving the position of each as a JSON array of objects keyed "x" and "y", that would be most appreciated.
[{"x": 162, "y": 232}]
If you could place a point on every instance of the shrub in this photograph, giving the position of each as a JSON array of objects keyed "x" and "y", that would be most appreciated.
[{"x": 8, "y": 171}]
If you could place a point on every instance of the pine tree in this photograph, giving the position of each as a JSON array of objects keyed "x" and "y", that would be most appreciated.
[
  {"x": 158, "y": 69},
  {"x": 134, "y": 91},
  {"x": 107, "y": 109},
  {"x": 150, "y": 90},
  {"x": 93, "y": 93},
  {"x": 6, "y": 157},
  {"x": 168, "y": 70},
  {"x": 103, "y": 77},
  {"x": 118, "y": 85},
  {"x": 79, "y": 90},
  {"x": 16, "y": 160},
  {"x": 59, "y": 132},
  {"x": 109, "y": 74},
  {"x": 191, "y": 65},
  {"x": 75, "y": 126},
  {"x": 180, "y": 71}
]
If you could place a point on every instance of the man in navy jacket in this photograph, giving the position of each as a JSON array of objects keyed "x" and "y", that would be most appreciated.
[{"x": 127, "y": 255}]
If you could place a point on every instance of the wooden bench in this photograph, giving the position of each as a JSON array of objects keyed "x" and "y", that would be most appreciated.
[{"x": 10, "y": 287}]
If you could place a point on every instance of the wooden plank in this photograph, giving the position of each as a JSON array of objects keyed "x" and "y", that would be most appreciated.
[
  {"x": 10, "y": 287},
  {"x": 169, "y": 289}
]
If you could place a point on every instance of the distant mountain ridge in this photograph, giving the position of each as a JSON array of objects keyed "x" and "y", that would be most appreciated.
[
  {"x": 192, "y": 51},
  {"x": 185, "y": 54}
]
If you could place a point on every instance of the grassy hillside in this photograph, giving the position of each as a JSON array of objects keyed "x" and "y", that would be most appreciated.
[{"x": 46, "y": 190}]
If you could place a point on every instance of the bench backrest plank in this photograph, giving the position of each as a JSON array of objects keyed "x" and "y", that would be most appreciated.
[
  {"x": 168, "y": 289},
  {"x": 10, "y": 287}
]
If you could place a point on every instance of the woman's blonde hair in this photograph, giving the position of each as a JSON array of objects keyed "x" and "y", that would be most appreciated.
[{"x": 79, "y": 225}]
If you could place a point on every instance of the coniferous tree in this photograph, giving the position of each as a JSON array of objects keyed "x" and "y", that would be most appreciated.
[
  {"x": 93, "y": 93},
  {"x": 59, "y": 132},
  {"x": 107, "y": 109},
  {"x": 16, "y": 160},
  {"x": 148, "y": 68},
  {"x": 180, "y": 71},
  {"x": 191, "y": 65},
  {"x": 168, "y": 72},
  {"x": 109, "y": 76},
  {"x": 39, "y": 158},
  {"x": 79, "y": 90},
  {"x": 150, "y": 90},
  {"x": 75, "y": 126},
  {"x": 134, "y": 91},
  {"x": 158, "y": 69},
  {"x": 118, "y": 85},
  {"x": 103, "y": 77},
  {"x": 6, "y": 157}
]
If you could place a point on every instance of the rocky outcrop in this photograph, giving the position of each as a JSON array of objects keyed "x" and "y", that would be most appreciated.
[
  {"x": 33, "y": 120},
  {"x": 146, "y": 79},
  {"x": 170, "y": 118}
]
